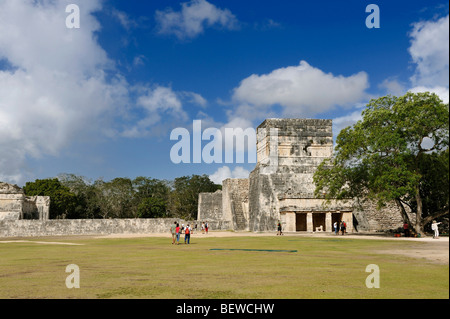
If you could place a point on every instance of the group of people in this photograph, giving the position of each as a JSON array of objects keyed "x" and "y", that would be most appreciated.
[
  {"x": 177, "y": 231},
  {"x": 205, "y": 227},
  {"x": 342, "y": 226}
]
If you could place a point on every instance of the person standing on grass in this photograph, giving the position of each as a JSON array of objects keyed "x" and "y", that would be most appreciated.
[
  {"x": 279, "y": 232},
  {"x": 173, "y": 231},
  {"x": 336, "y": 228},
  {"x": 177, "y": 230},
  {"x": 434, "y": 226},
  {"x": 187, "y": 234},
  {"x": 342, "y": 228}
]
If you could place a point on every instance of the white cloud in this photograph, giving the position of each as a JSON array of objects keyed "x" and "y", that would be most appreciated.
[
  {"x": 158, "y": 103},
  {"x": 57, "y": 90},
  {"x": 430, "y": 51},
  {"x": 60, "y": 87},
  {"x": 192, "y": 19},
  {"x": 195, "y": 98},
  {"x": 225, "y": 172},
  {"x": 440, "y": 91},
  {"x": 342, "y": 122},
  {"x": 300, "y": 90},
  {"x": 124, "y": 19},
  {"x": 393, "y": 87}
]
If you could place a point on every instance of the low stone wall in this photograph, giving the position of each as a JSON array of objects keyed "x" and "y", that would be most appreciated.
[{"x": 71, "y": 227}]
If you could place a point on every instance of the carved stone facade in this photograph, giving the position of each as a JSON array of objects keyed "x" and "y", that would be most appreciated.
[
  {"x": 281, "y": 187},
  {"x": 14, "y": 205}
]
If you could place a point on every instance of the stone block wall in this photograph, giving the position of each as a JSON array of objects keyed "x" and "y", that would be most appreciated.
[
  {"x": 289, "y": 151},
  {"x": 14, "y": 205},
  {"x": 370, "y": 218},
  {"x": 210, "y": 206},
  {"x": 74, "y": 227}
]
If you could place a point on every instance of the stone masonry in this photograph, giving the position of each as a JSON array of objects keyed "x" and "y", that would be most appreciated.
[
  {"x": 14, "y": 205},
  {"x": 281, "y": 187}
]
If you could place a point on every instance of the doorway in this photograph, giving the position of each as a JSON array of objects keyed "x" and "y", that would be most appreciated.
[
  {"x": 319, "y": 220},
  {"x": 300, "y": 222}
]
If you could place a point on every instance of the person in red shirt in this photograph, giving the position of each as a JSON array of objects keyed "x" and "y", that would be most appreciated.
[
  {"x": 406, "y": 229},
  {"x": 177, "y": 230},
  {"x": 187, "y": 234}
]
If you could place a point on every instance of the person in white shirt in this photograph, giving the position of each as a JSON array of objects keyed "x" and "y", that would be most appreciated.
[{"x": 434, "y": 226}]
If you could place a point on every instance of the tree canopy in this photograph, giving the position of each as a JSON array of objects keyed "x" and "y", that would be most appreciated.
[
  {"x": 397, "y": 152},
  {"x": 73, "y": 196}
]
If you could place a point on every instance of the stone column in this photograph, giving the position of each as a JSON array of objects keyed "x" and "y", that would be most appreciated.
[
  {"x": 309, "y": 222},
  {"x": 328, "y": 225},
  {"x": 290, "y": 222},
  {"x": 348, "y": 217}
]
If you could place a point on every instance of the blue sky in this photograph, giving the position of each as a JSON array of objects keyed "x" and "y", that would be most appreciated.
[{"x": 102, "y": 99}]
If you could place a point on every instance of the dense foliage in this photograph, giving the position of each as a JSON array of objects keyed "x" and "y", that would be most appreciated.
[
  {"x": 74, "y": 197},
  {"x": 397, "y": 152}
]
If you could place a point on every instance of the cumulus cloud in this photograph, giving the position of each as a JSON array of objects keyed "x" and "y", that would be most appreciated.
[
  {"x": 342, "y": 122},
  {"x": 156, "y": 103},
  {"x": 440, "y": 91},
  {"x": 193, "y": 18},
  {"x": 57, "y": 89},
  {"x": 58, "y": 86},
  {"x": 225, "y": 172},
  {"x": 430, "y": 51},
  {"x": 300, "y": 90}
]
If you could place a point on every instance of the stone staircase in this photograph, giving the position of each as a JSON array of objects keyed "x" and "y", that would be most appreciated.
[{"x": 240, "y": 223}]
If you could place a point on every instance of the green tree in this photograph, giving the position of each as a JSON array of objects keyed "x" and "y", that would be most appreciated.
[
  {"x": 384, "y": 156},
  {"x": 115, "y": 198},
  {"x": 63, "y": 202},
  {"x": 184, "y": 195},
  {"x": 151, "y": 197},
  {"x": 87, "y": 193},
  {"x": 152, "y": 207}
]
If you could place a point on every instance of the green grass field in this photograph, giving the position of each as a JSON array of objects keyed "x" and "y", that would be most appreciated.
[{"x": 154, "y": 268}]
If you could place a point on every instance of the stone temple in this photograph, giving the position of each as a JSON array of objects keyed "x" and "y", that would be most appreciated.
[
  {"x": 14, "y": 205},
  {"x": 281, "y": 186}
]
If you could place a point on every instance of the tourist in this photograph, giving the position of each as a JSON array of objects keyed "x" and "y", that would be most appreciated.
[
  {"x": 206, "y": 227},
  {"x": 173, "y": 231},
  {"x": 434, "y": 226},
  {"x": 187, "y": 234},
  {"x": 279, "y": 232},
  {"x": 203, "y": 227},
  {"x": 406, "y": 229},
  {"x": 342, "y": 228},
  {"x": 177, "y": 230},
  {"x": 336, "y": 228}
]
